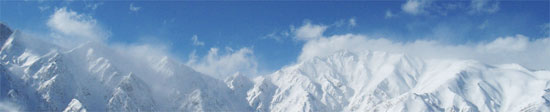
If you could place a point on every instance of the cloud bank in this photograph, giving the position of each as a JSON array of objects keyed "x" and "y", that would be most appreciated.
[
  {"x": 510, "y": 49},
  {"x": 71, "y": 29},
  {"x": 221, "y": 63},
  {"x": 520, "y": 49}
]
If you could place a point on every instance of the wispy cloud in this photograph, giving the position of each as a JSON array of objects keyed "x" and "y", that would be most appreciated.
[
  {"x": 389, "y": 14},
  {"x": 309, "y": 31},
  {"x": 222, "y": 64},
  {"x": 93, "y": 6},
  {"x": 431, "y": 7},
  {"x": 142, "y": 58},
  {"x": 415, "y": 7},
  {"x": 196, "y": 41},
  {"x": 352, "y": 22},
  {"x": 43, "y": 8},
  {"x": 503, "y": 50},
  {"x": 77, "y": 27},
  {"x": 134, "y": 8},
  {"x": 281, "y": 36},
  {"x": 484, "y": 24},
  {"x": 546, "y": 29},
  {"x": 275, "y": 36},
  {"x": 511, "y": 49},
  {"x": 484, "y": 6},
  {"x": 217, "y": 63}
]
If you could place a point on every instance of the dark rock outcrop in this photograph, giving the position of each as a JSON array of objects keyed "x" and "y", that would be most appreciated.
[{"x": 5, "y": 33}]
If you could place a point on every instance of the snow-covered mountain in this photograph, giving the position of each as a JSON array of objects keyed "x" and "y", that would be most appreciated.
[
  {"x": 379, "y": 81},
  {"x": 41, "y": 76}
]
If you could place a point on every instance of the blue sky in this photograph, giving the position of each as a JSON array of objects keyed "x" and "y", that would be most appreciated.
[{"x": 269, "y": 29}]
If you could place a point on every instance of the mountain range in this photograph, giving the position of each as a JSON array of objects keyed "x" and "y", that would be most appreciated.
[{"x": 39, "y": 75}]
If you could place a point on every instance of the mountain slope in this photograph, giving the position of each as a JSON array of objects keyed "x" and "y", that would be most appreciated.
[
  {"x": 379, "y": 81},
  {"x": 41, "y": 76}
]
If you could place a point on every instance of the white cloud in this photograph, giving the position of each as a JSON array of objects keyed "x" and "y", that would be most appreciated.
[
  {"x": 196, "y": 41},
  {"x": 309, "y": 31},
  {"x": 513, "y": 49},
  {"x": 488, "y": 6},
  {"x": 150, "y": 60},
  {"x": 389, "y": 14},
  {"x": 72, "y": 24},
  {"x": 412, "y": 7},
  {"x": 415, "y": 7},
  {"x": 71, "y": 30},
  {"x": 216, "y": 63},
  {"x": 352, "y": 22},
  {"x": 134, "y": 8},
  {"x": 221, "y": 65}
]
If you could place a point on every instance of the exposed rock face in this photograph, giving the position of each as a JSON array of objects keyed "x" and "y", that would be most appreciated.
[{"x": 5, "y": 32}]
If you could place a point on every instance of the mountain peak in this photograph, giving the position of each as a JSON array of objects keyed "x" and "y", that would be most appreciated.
[
  {"x": 75, "y": 106},
  {"x": 5, "y": 32},
  {"x": 385, "y": 81}
]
